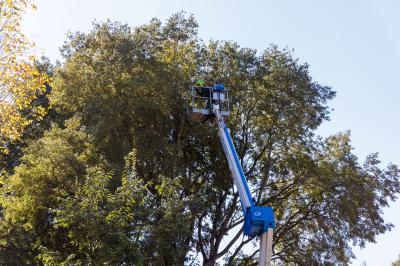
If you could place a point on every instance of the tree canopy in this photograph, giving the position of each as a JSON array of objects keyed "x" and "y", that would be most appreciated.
[
  {"x": 123, "y": 177},
  {"x": 20, "y": 81}
]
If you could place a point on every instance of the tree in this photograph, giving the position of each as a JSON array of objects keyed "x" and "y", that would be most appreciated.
[
  {"x": 59, "y": 203},
  {"x": 11, "y": 157},
  {"x": 20, "y": 80},
  {"x": 128, "y": 88},
  {"x": 397, "y": 262}
]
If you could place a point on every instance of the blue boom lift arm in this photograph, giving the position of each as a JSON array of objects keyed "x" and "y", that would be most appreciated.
[{"x": 259, "y": 220}]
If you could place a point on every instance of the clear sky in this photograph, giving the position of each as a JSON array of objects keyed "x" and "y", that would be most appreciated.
[{"x": 353, "y": 46}]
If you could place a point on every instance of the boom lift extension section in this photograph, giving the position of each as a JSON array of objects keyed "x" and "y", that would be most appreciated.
[{"x": 212, "y": 103}]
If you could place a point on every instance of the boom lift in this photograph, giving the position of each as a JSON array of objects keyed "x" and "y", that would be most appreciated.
[{"x": 212, "y": 104}]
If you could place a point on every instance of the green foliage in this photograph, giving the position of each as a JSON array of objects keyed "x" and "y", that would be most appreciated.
[
  {"x": 35, "y": 128},
  {"x": 129, "y": 180},
  {"x": 60, "y": 197}
]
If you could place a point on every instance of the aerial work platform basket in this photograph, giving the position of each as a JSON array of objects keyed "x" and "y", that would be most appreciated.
[{"x": 202, "y": 99}]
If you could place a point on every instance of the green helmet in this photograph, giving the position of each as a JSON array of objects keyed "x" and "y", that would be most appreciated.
[{"x": 200, "y": 82}]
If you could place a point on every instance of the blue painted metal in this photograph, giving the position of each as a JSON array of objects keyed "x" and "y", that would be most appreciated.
[
  {"x": 257, "y": 220},
  {"x": 219, "y": 87},
  {"x": 239, "y": 166}
]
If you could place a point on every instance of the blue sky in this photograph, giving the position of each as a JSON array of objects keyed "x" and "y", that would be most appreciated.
[{"x": 352, "y": 46}]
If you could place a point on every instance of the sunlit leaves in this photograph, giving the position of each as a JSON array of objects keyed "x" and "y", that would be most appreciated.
[{"x": 20, "y": 80}]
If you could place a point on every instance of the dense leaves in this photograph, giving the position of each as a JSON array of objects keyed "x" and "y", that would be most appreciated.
[
  {"x": 20, "y": 81},
  {"x": 128, "y": 179},
  {"x": 60, "y": 196}
]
